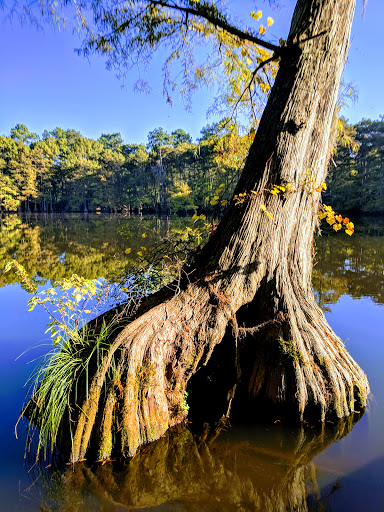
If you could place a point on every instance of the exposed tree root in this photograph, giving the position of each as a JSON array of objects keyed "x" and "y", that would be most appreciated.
[
  {"x": 311, "y": 364},
  {"x": 164, "y": 347}
]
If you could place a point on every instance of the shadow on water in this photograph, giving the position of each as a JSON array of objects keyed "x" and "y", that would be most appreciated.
[
  {"x": 360, "y": 490},
  {"x": 262, "y": 469}
]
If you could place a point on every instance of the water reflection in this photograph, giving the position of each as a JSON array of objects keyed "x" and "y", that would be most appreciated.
[
  {"x": 353, "y": 266},
  {"x": 258, "y": 469},
  {"x": 243, "y": 469},
  {"x": 57, "y": 246}
]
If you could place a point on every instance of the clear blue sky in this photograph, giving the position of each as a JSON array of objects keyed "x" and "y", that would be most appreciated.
[{"x": 44, "y": 83}]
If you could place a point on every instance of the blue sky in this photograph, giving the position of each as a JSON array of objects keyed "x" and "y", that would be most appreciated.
[{"x": 45, "y": 84}]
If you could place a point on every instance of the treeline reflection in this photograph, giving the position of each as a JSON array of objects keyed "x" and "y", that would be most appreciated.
[
  {"x": 51, "y": 247},
  {"x": 352, "y": 266}
]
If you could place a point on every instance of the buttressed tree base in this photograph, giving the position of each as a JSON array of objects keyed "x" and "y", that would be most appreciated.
[{"x": 252, "y": 280}]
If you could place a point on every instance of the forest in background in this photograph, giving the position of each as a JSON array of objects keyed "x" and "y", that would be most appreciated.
[{"x": 62, "y": 171}]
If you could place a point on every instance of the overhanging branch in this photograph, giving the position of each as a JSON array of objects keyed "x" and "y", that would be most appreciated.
[{"x": 214, "y": 20}]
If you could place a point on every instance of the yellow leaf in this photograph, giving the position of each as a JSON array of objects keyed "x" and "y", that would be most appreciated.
[
  {"x": 256, "y": 15},
  {"x": 143, "y": 235},
  {"x": 322, "y": 215},
  {"x": 128, "y": 250},
  {"x": 319, "y": 188},
  {"x": 143, "y": 248},
  {"x": 345, "y": 220},
  {"x": 207, "y": 198},
  {"x": 350, "y": 225},
  {"x": 263, "y": 207},
  {"x": 248, "y": 61},
  {"x": 223, "y": 203},
  {"x": 288, "y": 186},
  {"x": 139, "y": 253},
  {"x": 269, "y": 214},
  {"x": 349, "y": 232},
  {"x": 269, "y": 21},
  {"x": 324, "y": 185},
  {"x": 336, "y": 227},
  {"x": 330, "y": 220},
  {"x": 78, "y": 297},
  {"x": 339, "y": 218},
  {"x": 253, "y": 192},
  {"x": 262, "y": 30}
]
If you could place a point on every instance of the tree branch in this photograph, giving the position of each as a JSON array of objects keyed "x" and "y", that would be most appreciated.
[
  {"x": 278, "y": 320},
  {"x": 214, "y": 20},
  {"x": 254, "y": 73}
]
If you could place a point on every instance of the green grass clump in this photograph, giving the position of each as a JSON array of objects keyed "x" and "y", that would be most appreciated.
[{"x": 63, "y": 378}]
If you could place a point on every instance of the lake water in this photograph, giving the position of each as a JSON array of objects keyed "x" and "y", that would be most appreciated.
[{"x": 263, "y": 467}]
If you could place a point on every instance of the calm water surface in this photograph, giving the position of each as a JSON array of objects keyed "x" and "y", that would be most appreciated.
[{"x": 264, "y": 468}]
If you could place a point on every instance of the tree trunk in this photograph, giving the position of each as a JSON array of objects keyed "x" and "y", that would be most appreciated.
[{"x": 254, "y": 270}]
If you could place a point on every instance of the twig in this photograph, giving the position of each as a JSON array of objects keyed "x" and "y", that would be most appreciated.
[{"x": 278, "y": 319}]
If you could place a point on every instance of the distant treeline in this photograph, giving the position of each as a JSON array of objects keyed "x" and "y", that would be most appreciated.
[
  {"x": 62, "y": 171},
  {"x": 356, "y": 174}
]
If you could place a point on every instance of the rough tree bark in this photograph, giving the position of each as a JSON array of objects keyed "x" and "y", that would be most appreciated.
[{"x": 253, "y": 270}]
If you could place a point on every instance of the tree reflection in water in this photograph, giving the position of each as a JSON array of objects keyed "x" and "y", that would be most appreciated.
[
  {"x": 352, "y": 266},
  {"x": 56, "y": 246},
  {"x": 51, "y": 247},
  {"x": 260, "y": 469}
]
